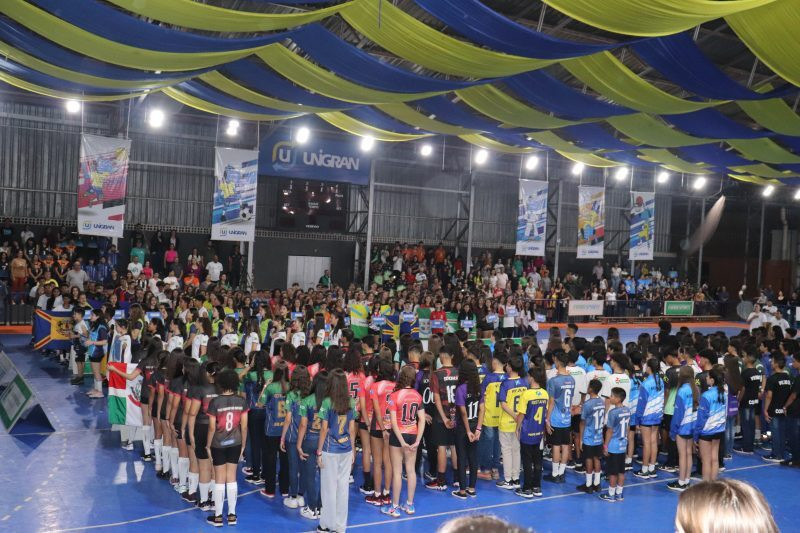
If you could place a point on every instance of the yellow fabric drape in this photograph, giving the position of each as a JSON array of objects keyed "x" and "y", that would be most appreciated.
[
  {"x": 672, "y": 162},
  {"x": 773, "y": 114},
  {"x": 755, "y": 179},
  {"x": 490, "y": 144},
  {"x": 494, "y": 103},
  {"x": 191, "y": 14},
  {"x": 405, "y": 113},
  {"x": 763, "y": 170},
  {"x": 764, "y": 150},
  {"x": 356, "y": 127},
  {"x": 651, "y": 130},
  {"x": 34, "y": 88},
  {"x": 608, "y": 76},
  {"x": 208, "y": 107},
  {"x": 651, "y": 18},
  {"x": 570, "y": 151}
]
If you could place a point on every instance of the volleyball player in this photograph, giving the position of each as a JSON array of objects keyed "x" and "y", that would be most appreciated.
[
  {"x": 469, "y": 423},
  {"x": 191, "y": 372},
  {"x": 615, "y": 445},
  {"x": 379, "y": 432},
  {"x": 200, "y": 396},
  {"x": 560, "y": 389},
  {"x": 649, "y": 413},
  {"x": 443, "y": 385},
  {"x": 592, "y": 422},
  {"x": 178, "y": 388}
]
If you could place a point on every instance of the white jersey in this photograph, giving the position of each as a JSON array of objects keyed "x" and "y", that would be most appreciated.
[
  {"x": 581, "y": 385},
  {"x": 623, "y": 381},
  {"x": 603, "y": 377},
  {"x": 252, "y": 340},
  {"x": 175, "y": 342},
  {"x": 229, "y": 339},
  {"x": 199, "y": 340}
]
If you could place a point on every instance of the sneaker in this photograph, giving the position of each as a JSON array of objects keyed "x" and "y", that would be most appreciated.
[
  {"x": 254, "y": 479},
  {"x": 207, "y": 505},
  {"x": 551, "y": 478},
  {"x": 485, "y": 475},
  {"x": 291, "y": 503},
  {"x": 786, "y": 462},
  {"x": 386, "y": 499},
  {"x": 128, "y": 446},
  {"x": 460, "y": 495},
  {"x": 620, "y": 497},
  {"x": 173, "y": 481},
  {"x": 580, "y": 469},
  {"x": 727, "y": 457},
  {"x": 247, "y": 471},
  {"x": 436, "y": 485},
  {"x": 677, "y": 486},
  {"x": 537, "y": 491},
  {"x": 266, "y": 494},
  {"x": 456, "y": 484},
  {"x": 428, "y": 476},
  {"x": 524, "y": 493},
  {"x": 516, "y": 483},
  {"x": 606, "y": 497},
  {"x": 772, "y": 458},
  {"x": 147, "y": 457},
  {"x": 628, "y": 467},
  {"x": 190, "y": 498},
  {"x": 722, "y": 468},
  {"x": 372, "y": 499},
  {"x": 301, "y": 502},
  {"x": 570, "y": 464},
  {"x": 562, "y": 478},
  {"x": 215, "y": 521},
  {"x": 667, "y": 468},
  {"x": 408, "y": 508},
  {"x": 352, "y": 479},
  {"x": 584, "y": 488},
  {"x": 231, "y": 519},
  {"x": 642, "y": 474},
  {"x": 739, "y": 449},
  {"x": 652, "y": 474},
  {"x": 162, "y": 474},
  {"x": 495, "y": 474},
  {"x": 366, "y": 489},
  {"x": 321, "y": 529},
  {"x": 503, "y": 484},
  {"x": 77, "y": 380},
  {"x": 596, "y": 489},
  {"x": 391, "y": 510},
  {"x": 305, "y": 512},
  {"x": 180, "y": 489}
]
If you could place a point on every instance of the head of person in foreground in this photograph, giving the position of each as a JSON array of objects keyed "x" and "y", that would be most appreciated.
[{"x": 724, "y": 506}]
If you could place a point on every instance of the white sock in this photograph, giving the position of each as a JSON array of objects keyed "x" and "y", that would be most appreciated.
[
  {"x": 596, "y": 478},
  {"x": 204, "y": 488},
  {"x": 183, "y": 470},
  {"x": 612, "y": 491},
  {"x": 758, "y": 434},
  {"x": 166, "y": 454},
  {"x": 588, "y": 480},
  {"x": 219, "y": 499},
  {"x": 555, "y": 469},
  {"x": 233, "y": 491},
  {"x": 619, "y": 490},
  {"x": 158, "y": 452},
  {"x": 173, "y": 461},
  {"x": 562, "y": 467},
  {"x": 98, "y": 385},
  {"x": 194, "y": 480},
  {"x": 146, "y": 439}
]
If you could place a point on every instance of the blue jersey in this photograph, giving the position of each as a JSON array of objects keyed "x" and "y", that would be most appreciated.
[
  {"x": 684, "y": 416},
  {"x": 711, "y": 414},
  {"x": 274, "y": 399},
  {"x": 593, "y": 414},
  {"x": 561, "y": 388},
  {"x": 633, "y": 399},
  {"x": 292, "y": 406},
  {"x": 619, "y": 420},
  {"x": 533, "y": 406},
  {"x": 650, "y": 407}
]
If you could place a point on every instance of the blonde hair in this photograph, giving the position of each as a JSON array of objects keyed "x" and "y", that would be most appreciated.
[{"x": 724, "y": 506}]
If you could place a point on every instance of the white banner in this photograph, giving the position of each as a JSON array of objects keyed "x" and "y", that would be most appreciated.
[
  {"x": 532, "y": 217},
  {"x": 591, "y": 220},
  {"x": 102, "y": 181},
  {"x": 643, "y": 222},
  {"x": 233, "y": 217},
  {"x": 585, "y": 307}
]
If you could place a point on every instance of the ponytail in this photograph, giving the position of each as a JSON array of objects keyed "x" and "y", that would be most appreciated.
[
  {"x": 655, "y": 369},
  {"x": 717, "y": 373}
]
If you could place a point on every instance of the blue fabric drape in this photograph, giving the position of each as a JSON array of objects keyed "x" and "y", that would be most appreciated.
[
  {"x": 543, "y": 90},
  {"x": 208, "y": 94},
  {"x": 109, "y": 23},
  {"x": 593, "y": 136},
  {"x": 629, "y": 158},
  {"x": 373, "y": 117},
  {"x": 263, "y": 79},
  {"x": 358, "y": 66},
  {"x": 45, "y": 80},
  {"x": 792, "y": 143},
  {"x": 485, "y": 26},
  {"x": 712, "y": 124},
  {"x": 678, "y": 58},
  {"x": 712, "y": 154},
  {"x": 447, "y": 111}
]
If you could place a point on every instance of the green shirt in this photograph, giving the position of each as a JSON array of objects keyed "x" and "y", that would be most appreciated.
[
  {"x": 138, "y": 252},
  {"x": 338, "y": 437},
  {"x": 308, "y": 410}
]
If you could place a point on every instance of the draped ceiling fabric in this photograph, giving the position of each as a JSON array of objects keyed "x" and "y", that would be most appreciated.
[{"x": 491, "y": 81}]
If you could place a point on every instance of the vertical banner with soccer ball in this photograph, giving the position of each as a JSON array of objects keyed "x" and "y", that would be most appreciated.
[
  {"x": 102, "y": 181},
  {"x": 532, "y": 217},
  {"x": 643, "y": 212},
  {"x": 591, "y": 222},
  {"x": 233, "y": 217}
]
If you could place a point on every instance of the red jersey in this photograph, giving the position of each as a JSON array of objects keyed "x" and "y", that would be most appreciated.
[
  {"x": 363, "y": 392},
  {"x": 381, "y": 391},
  {"x": 407, "y": 406},
  {"x": 444, "y": 382},
  {"x": 438, "y": 315},
  {"x": 313, "y": 369}
]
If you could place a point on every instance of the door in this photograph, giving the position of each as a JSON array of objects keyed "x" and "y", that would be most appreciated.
[{"x": 306, "y": 270}]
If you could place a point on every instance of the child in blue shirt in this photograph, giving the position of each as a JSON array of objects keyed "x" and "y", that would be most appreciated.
[
  {"x": 591, "y": 443},
  {"x": 560, "y": 389},
  {"x": 681, "y": 428},
  {"x": 710, "y": 424},
  {"x": 649, "y": 412},
  {"x": 616, "y": 445}
]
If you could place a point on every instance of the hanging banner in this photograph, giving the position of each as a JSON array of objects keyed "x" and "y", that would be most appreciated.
[
  {"x": 643, "y": 222},
  {"x": 233, "y": 217},
  {"x": 532, "y": 218},
  {"x": 591, "y": 217},
  {"x": 102, "y": 181}
]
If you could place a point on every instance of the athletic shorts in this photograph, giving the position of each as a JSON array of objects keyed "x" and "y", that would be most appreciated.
[
  {"x": 407, "y": 437},
  {"x": 154, "y": 404},
  {"x": 223, "y": 456},
  {"x": 376, "y": 433},
  {"x": 441, "y": 435},
  {"x": 95, "y": 358},
  {"x": 615, "y": 464},
  {"x": 650, "y": 425},
  {"x": 80, "y": 353},
  {"x": 559, "y": 437},
  {"x": 200, "y": 440},
  {"x": 178, "y": 432},
  {"x": 145, "y": 395},
  {"x": 592, "y": 451},
  {"x": 715, "y": 436},
  {"x": 576, "y": 423},
  {"x": 362, "y": 425},
  {"x": 666, "y": 421}
]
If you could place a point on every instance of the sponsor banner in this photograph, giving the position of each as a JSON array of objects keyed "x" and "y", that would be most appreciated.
[
  {"x": 679, "y": 308},
  {"x": 591, "y": 217},
  {"x": 233, "y": 217},
  {"x": 102, "y": 181},
  {"x": 532, "y": 217},
  {"x": 585, "y": 307},
  {"x": 320, "y": 159},
  {"x": 643, "y": 223}
]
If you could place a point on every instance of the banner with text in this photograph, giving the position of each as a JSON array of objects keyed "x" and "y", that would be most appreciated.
[
  {"x": 233, "y": 217},
  {"x": 102, "y": 181},
  {"x": 585, "y": 307},
  {"x": 532, "y": 217},
  {"x": 591, "y": 217},
  {"x": 643, "y": 222}
]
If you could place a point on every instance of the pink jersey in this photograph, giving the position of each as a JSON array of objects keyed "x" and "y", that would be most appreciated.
[
  {"x": 406, "y": 405},
  {"x": 363, "y": 392},
  {"x": 380, "y": 391}
]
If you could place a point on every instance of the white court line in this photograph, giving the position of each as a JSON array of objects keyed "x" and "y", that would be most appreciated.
[
  {"x": 60, "y": 432},
  {"x": 391, "y": 521}
]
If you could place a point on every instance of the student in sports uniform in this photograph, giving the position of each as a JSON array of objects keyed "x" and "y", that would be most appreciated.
[
  {"x": 79, "y": 335},
  {"x": 682, "y": 426},
  {"x": 200, "y": 396},
  {"x": 423, "y": 387},
  {"x": 227, "y": 436},
  {"x": 443, "y": 385},
  {"x": 273, "y": 398},
  {"x": 307, "y": 441},
  {"x": 511, "y": 390},
  {"x": 175, "y": 334},
  {"x": 258, "y": 377},
  {"x": 560, "y": 389},
  {"x": 598, "y": 372},
  {"x": 579, "y": 375},
  {"x": 178, "y": 388},
  {"x": 616, "y": 445},
  {"x": 593, "y": 415},
  {"x": 191, "y": 372},
  {"x": 749, "y": 401},
  {"x": 490, "y": 436},
  {"x": 96, "y": 349},
  {"x": 408, "y": 425},
  {"x": 174, "y": 368},
  {"x": 364, "y": 419},
  {"x": 531, "y": 414},
  {"x": 354, "y": 371},
  {"x": 670, "y": 365},
  {"x": 710, "y": 423},
  {"x": 299, "y": 387},
  {"x": 649, "y": 412},
  {"x": 335, "y": 452},
  {"x": 469, "y": 423},
  {"x": 379, "y": 437},
  {"x": 162, "y": 396},
  {"x": 778, "y": 389}
]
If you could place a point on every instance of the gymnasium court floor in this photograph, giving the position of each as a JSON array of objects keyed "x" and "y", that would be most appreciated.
[{"x": 78, "y": 478}]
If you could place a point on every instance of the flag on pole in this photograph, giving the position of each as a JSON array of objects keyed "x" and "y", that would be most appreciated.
[
  {"x": 51, "y": 330},
  {"x": 124, "y": 397},
  {"x": 358, "y": 320}
]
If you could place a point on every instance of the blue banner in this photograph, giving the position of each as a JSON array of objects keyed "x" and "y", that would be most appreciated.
[
  {"x": 233, "y": 217},
  {"x": 532, "y": 218},
  {"x": 318, "y": 159},
  {"x": 642, "y": 215}
]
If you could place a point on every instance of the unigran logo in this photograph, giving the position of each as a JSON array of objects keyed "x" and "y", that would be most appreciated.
[{"x": 286, "y": 153}]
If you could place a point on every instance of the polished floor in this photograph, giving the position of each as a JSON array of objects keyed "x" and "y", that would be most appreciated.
[{"x": 78, "y": 478}]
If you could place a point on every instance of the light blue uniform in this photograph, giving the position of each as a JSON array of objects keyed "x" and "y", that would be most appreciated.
[
  {"x": 685, "y": 415},
  {"x": 619, "y": 420},
  {"x": 561, "y": 388},
  {"x": 711, "y": 414},
  {"x": 593, "y": 414},
  {"x": 650, "y": 407}
]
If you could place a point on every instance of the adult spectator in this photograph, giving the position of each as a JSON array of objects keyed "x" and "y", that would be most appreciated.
[
  {"x": 7, "y": 231},
  {"x": 534, "y": 278},
  {"x": 139, "y": 252},
  {"x": 19, "y": 272},
  {"x": 325, "y": 280},
  {"x": 26, "y": 234},
  {"x": 135, "y": 267},
  {"x": 77, "y": 277},
  {"x": 210, "y": 252},
  {"x": 502, "y": 279},
  {"x": 214, "y": 269},
  {"x": 158, "y": 245},
  {"x": 597, "y": 271},
  {"x": 171, "y": 259}
]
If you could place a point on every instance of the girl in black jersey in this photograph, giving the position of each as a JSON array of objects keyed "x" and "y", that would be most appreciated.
[
  {"x": 191, "y": 373},
  {"x": 172, "y": 368},
  {"x": 178, "y": 388},
  {"x": 197, "y": 429}
]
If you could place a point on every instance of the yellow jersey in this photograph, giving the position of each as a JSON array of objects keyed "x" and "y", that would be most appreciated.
[
  {"x": 491, "y": 386},
  {"x": 510, "y": 392}
]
